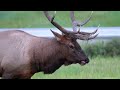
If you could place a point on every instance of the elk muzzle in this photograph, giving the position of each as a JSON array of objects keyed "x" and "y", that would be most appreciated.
[{"x": 83, "y": 62}]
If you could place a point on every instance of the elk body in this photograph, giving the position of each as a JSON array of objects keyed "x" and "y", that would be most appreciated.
[{"x": 22, "y": 55}]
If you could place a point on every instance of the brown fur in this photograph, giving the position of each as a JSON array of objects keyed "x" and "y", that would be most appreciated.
[{"x": 22, "y": 54}]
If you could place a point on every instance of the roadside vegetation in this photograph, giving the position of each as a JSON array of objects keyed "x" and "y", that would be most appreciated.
[{"x": 104, "y": 49}]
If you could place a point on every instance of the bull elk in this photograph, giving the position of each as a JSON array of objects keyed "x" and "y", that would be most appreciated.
[{"x": 22, "y": 55}]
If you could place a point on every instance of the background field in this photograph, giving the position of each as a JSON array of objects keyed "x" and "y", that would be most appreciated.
[
  {"x": 104, "y": 58},
  {"x": 36, "y": 19}
]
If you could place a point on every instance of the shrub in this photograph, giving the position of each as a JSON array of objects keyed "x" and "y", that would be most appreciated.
[{"x": 110, "y": 48}]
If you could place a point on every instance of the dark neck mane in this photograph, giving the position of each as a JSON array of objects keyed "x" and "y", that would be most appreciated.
[{"x": 48, "y": 58}]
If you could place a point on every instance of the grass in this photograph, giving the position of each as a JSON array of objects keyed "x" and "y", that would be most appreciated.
[
  {"x": 36, "y": 19},
  {"x": 98, "y": 68}
]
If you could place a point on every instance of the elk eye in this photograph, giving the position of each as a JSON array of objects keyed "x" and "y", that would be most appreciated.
[{"x": 71, "y": 46}]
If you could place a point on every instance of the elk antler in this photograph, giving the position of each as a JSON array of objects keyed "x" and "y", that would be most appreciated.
[
  {"x": 76, "y": 23},
  {"x": 73, "y": 34},
  {"x": 51, "y": 19}
]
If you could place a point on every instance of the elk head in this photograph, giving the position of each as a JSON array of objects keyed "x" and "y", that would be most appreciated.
[{"x": 71, "y": 49}]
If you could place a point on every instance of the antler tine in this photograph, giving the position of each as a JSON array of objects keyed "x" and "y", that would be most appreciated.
[
  {"x": 85, "y": 37},
  {"x": 51, "y": 19},
  {"x": 77, "y": 23},
  {"x": 92, "y": 37},
  {"x": 84, "y": 33},
  {"x": 54, "y": 23},
  {"x": 87, "y": 20},
  {"x": 74, "y": 22}
]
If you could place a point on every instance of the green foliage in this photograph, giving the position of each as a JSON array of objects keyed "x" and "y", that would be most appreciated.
[
  {"x": 110, "y": 48},
  {"x": 113, "y": 48},
  {"x": 36, "y": 19}
]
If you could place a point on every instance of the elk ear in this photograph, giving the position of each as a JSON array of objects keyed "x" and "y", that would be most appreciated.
[{"x": 57, "y": 35}]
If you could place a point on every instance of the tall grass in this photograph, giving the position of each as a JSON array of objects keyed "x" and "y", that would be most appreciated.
[
  {"x": 36, "y": 19},
  {"x": 98, "y": 68}
]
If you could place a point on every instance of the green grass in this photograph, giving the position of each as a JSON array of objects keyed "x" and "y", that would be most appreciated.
[
  {"x": 98, "y": 68},
  {"x": 36, "y": 19}
]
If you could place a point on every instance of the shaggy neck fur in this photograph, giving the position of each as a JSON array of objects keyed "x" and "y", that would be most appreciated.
[{"x": 48, "y": 58}]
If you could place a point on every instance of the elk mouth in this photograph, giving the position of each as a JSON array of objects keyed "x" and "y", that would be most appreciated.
[
  {"x": 66, "y": 63},
  {"x": 82, "y": 63}
]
